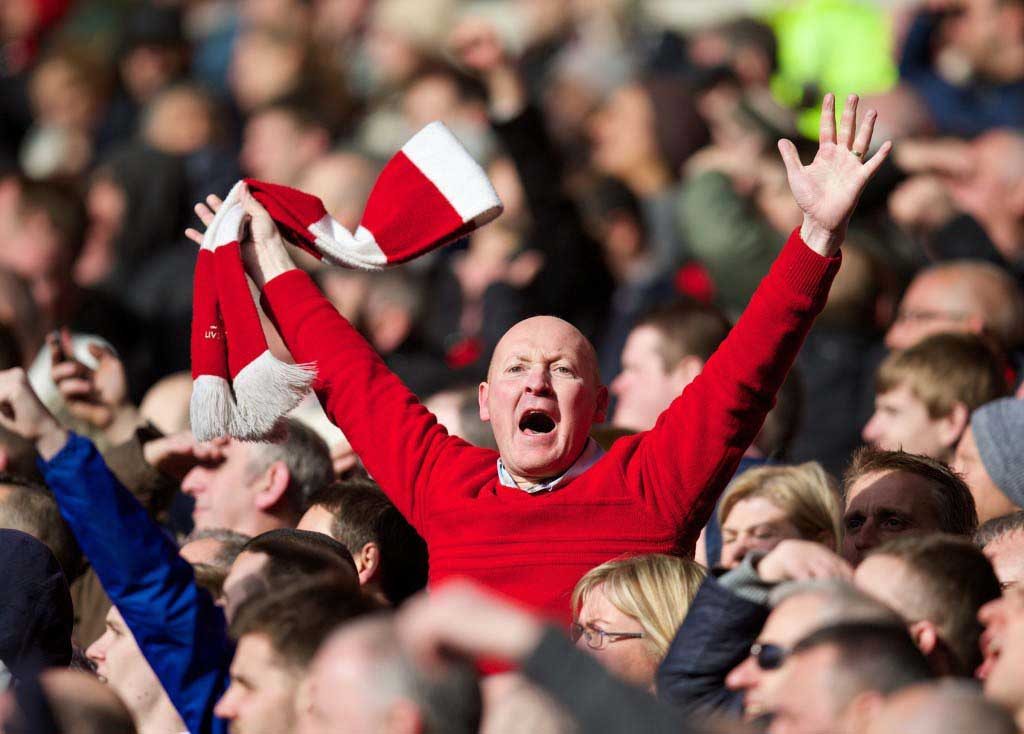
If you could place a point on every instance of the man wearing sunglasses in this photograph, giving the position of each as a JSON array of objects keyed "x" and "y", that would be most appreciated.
[{"x": 740, "y": 627}]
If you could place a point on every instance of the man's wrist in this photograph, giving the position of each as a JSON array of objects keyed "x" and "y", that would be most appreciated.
[
  {"x": 823, "y": 241},
  {"x": 51, "y": 441}
]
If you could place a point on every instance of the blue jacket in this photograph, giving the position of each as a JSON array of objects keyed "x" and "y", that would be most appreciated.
[
  {"x": 714, "y": 638},
  {"x": 179, "y": 629}
]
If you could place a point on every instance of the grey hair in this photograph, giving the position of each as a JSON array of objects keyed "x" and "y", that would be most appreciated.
[
  {"x": 843, "y": 603},
  {"x": 304, "y": 453},
  {"x": 448, "y": 698},
  {"x": 997, "y": 528},
  {"x": 231, "y": 542},
  {"x": 956, "y": 705}
]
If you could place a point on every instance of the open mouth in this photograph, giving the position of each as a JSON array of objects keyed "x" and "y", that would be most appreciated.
[{"x": 535, "y": 422}]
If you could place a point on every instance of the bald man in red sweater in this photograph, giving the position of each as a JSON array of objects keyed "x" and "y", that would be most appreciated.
[{"x": 530, "y": 519}]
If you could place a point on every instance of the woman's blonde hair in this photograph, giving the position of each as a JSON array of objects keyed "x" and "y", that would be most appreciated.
[
  {"x": 654, "y": 589},
  {"x": 806, "y": 493}
]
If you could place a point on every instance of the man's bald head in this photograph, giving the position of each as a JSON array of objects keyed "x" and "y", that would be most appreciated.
[
  {"x": 960, "y": 295},
  {"x": 945, "y": 707},
  {"x": 552, "y": 330},
  {"x": 542, "y": 396}
]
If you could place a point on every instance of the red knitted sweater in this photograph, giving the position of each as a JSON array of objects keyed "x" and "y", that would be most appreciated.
[{"x": 652, "y": 492}]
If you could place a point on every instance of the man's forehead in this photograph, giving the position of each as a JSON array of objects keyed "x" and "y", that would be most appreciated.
[
  {"x": 792, "y": 619},
  {"x": 897, "y": 489}
]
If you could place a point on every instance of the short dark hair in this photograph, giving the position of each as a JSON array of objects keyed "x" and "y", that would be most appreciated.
[
  {"x": 954, "y": 503},
  {"x": 298, "y": 617},
  {"x": 31, "y": 508},
  {"x": 364, "y": 514},
  {"x": 292, "y": 553},
  {"x": 687, "y": 327},
  {"x": 998, "y": 527},
  {"x": 957, "y": 580},
  {"x": 871, "y": 657}
]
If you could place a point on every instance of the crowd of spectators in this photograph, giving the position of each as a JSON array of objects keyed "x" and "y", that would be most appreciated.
[{"x": 717, "y": 428}]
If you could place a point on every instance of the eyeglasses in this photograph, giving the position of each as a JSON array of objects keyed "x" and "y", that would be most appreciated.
[
  {"x": 599, "y": 639},
  {"x": 768, "y": 656}
]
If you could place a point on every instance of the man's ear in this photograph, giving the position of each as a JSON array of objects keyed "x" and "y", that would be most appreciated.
[
  {"x": 601, "y": 412},
  {"x": 925, "y": 636},
  {"x": 481, "y": 397},
  {"x": 368, "y": 563},
  {"x": 686, "y": 370},
  {"x": 952, "y": 426},
  {"x": 864, "y": 707},
  {"x": 275, "y": 483}
]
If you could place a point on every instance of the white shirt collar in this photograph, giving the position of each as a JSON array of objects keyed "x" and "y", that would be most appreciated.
[{"x": 590, "y": 456}]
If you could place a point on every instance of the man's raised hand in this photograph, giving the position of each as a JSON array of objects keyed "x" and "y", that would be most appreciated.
[{"x": 828, "y": 189}]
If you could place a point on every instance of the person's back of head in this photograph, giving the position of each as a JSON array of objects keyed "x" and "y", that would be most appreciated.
[
  {"x": 942, "y": 707},
  {"x": 387, "y": 550},
  {"x": 687, "y": 328},
  {"x": 35, "y": 613},
  {"x": 307, "y": 458},
  {"x": 946, "y": 581},
  {"x": 31, "y": 508},
  {"x": 274, "y": 559},
  {"x": 216, "y": 547},
  {"x": 1001, "y": 539},
  {"x": 444, "y": 700},
  {"x": 988, "y": 458}
]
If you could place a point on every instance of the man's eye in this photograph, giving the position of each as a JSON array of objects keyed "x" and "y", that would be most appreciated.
[
  {"x": 562, "y": 370},
  {"x": 894, "y": 523},
  {"x": 515, "y": 368},
  {"x": 852, "y": 523},
  {"x": 765, "y": 534}
]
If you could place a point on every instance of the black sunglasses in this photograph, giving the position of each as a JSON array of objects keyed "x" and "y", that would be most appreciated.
[{"x": 768, "y": 656}]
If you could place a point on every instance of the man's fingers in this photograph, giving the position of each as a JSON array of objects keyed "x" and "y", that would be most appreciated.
[
  {"x": 827, "y": 129},
  {"x": 876, "y": 161},
  {"x": 214, "y": 202},
  {"x": 76, "y": 388},
  {"x": 867, "y": 129},
  {"x": 790, "y": 158},
  {"x": 204, "y": 213},
  {"x": 69, "y": 369},
  {"x": 195, "y": 235},
  {"x": 848, "y": 123}
]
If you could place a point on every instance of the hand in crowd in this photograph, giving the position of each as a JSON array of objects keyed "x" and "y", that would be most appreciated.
[
  {"x": 461, "y": 618},
  {"x": 177, "y": 454},
  {"x": 828, "y": 189},
  {"x": 99, "y": 396},
  {"x": 23, "y": 413},
  {"x": 263, "y": 248},
  {"x": 802, "y": 560},
  {"x": 477, "y": 47}
]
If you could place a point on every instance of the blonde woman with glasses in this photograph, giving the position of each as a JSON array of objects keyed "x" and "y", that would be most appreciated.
[{"x": 626, "y": 612}]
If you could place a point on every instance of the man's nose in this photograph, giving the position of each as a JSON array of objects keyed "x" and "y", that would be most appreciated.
[
  {"x": 870, "y": 432},
  {"x": 538, "y": 381},
  {"x": 226, "y": 708},
  {"x": 743, "y": 676},
  {"x": 193, "y": 482}
]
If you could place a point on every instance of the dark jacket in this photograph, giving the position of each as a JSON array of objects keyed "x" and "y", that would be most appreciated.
[
  {"x": 35, "y": 606},
  {"x": 715, "y": 637}
]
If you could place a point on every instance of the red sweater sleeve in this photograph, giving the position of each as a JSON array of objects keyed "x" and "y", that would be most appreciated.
[
  {"x": 685, "y": 461},
  {"x": 398, "y": 440}
]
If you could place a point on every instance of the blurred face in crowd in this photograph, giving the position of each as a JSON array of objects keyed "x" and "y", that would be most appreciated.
[
  {"x": 542, "y": 396},
  {"x": 334, "y": 698},
  {"x": 1006, "y": 554},
  {"x": 121, "y": 665},
  {"x": 1002, "y": 643},
  {"x": 261, "y": 697},
  {"x": 804, "y": 703},
  {"x": 885, "y": 505},
  {"x": 627, "y": 658},
  {"x": 788, "y": 623},
  {"x": 225, "y": 492},
  {"x": 988, "y": 498},
  {"x": 622, "y": 132},
  {"x": 933, "y": 304},
  {"x": 32, "y": 249},
  {"x": 644, "y": 388},
  {"x": 753, "y": 524},
  {"x": 901, "y": 421},
  {"x": 276, "y": 148}
]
